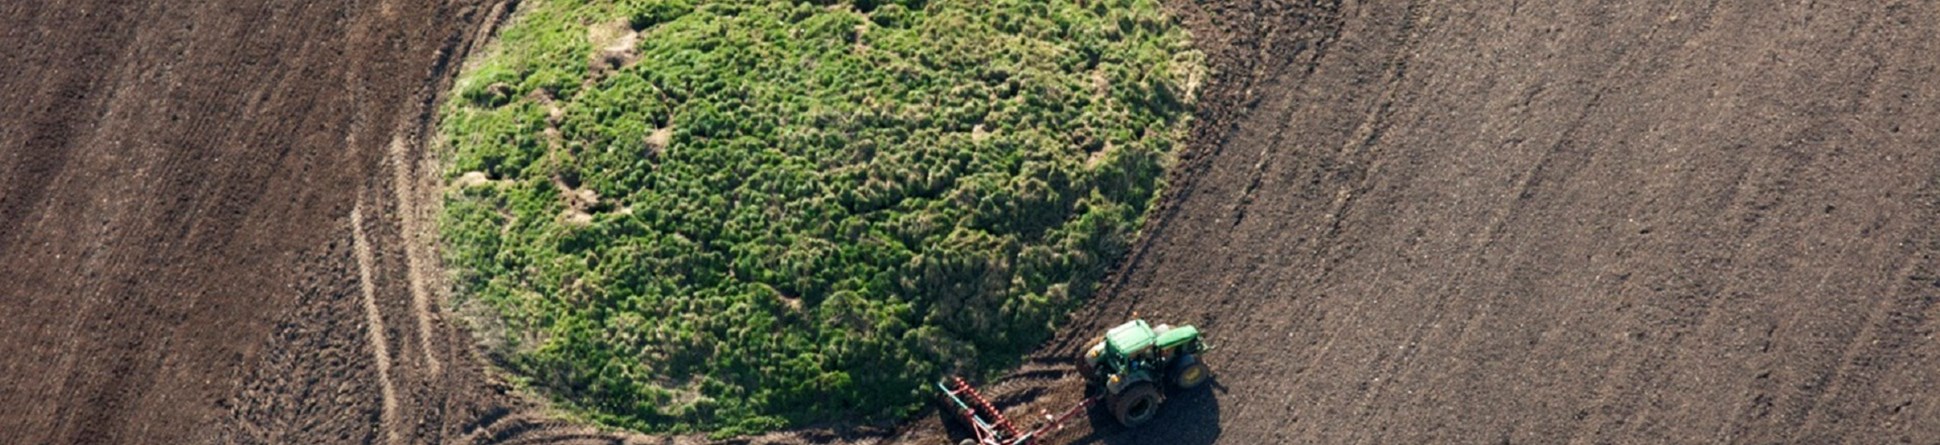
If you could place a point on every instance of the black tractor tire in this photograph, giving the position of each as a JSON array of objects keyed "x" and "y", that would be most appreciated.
[
  {"x": 1190, "y": 373},
  {"x": 1137, "y": 404}
]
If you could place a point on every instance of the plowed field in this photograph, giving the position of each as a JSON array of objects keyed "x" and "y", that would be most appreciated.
[{"x": 1400, "y": 222}]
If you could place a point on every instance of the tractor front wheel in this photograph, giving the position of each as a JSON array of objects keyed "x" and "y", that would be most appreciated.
[
  {"x": 1190, "y": 373},
  {"x": 1137, "y": 404}
]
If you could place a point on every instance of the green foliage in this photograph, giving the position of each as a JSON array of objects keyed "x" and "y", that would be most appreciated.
[{"x": 769, "y": 214}]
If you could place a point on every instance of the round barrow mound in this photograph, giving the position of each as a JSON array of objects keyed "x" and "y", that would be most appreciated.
[{"x": 739, "y": 216}]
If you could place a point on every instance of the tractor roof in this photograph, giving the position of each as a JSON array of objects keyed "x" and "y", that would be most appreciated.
[
  {"x": 1176, "y": 336},
  {"x": 1131, "y": 337}
]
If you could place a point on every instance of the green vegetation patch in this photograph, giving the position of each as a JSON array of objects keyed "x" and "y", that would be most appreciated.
[{"x": 675, "y": 215}]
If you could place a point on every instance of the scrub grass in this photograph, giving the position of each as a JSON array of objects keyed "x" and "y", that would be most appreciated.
[{"x": 673, "y": 215}]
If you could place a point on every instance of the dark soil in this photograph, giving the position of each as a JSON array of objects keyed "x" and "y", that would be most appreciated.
[{"x": 1426, "y": 222}]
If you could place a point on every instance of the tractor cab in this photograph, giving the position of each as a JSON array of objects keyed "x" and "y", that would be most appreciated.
[
  {"x": 1126, "y": 345},
  {"x": 1135, "y": 344},
  {"x": 1133, "y": 359},
  {"x": 1174, "y": 341}
]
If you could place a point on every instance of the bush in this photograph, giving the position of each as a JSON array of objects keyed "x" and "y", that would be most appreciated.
[{"x": 772, "y": 214}]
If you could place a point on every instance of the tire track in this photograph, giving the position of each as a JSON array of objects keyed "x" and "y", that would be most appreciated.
[
  {"x": 374, "y": 321},
  {"x": 1363, "y": 160},
  {"x": 405, "y": 186},
  {"x": 1358, "y": 160},
  {"x": 1560, "y": 161},
  {"x": 1688, "y": 306},
  {"x": 1886, "y": 332}
]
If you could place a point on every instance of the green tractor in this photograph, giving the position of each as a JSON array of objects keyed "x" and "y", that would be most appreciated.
[
  {"x": 1132, "y": 362},
  {"x": 1129, "y": 364}
]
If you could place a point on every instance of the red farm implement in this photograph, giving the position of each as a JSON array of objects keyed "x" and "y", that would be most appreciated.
[{"x": 988, "y": 425}]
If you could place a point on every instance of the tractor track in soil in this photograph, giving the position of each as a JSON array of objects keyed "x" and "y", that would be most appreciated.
[{"x": 1401, "y": 222}]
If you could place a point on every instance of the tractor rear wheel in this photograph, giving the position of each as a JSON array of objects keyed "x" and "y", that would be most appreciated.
[
  {"x": 1190, "y": 373},
  {"x": 1137, "y": 404}
]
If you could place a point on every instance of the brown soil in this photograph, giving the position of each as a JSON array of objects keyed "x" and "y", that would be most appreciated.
[{"x": 1401, "y": 222}]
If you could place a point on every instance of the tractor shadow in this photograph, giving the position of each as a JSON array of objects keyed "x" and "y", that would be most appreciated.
[{"x": 1188, "y": 417}]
